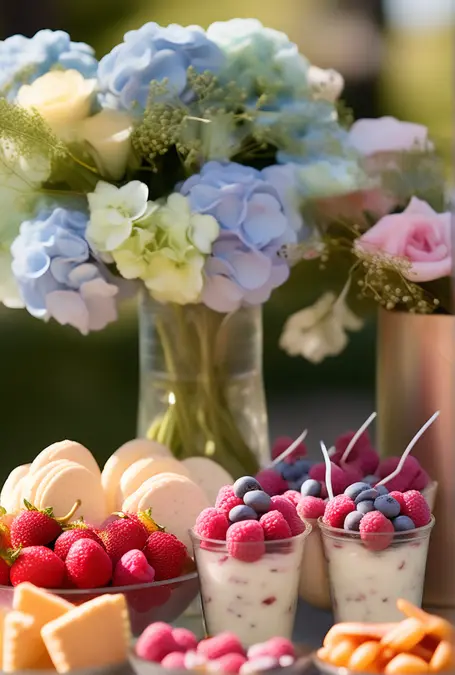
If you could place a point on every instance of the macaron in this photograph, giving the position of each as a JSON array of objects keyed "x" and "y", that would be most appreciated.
[
  {"x": 131, "y": 503},
  {"x": 34, "y": 480},
  {"x": 209, "y": 475},
  {"x": 146, "y": 468},
  {"x": 7, "y": 498},
  {"x": 70, "y": 450}
]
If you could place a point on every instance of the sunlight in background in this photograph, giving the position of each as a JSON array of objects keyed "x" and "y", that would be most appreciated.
[{"x": 420, "y": 13}]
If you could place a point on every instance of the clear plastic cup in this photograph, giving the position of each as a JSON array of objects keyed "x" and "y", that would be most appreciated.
[
  {"x": 367, "y": 577},
  {"x": 257, "y": 599}
]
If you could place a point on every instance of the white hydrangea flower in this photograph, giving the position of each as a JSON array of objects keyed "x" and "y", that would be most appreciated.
[
  {"x": 320, "y": 330},
  {"x": 186, "y": 229},
  {"x": 326, "y": 84},
  {"x": 171, "y": 280},
  {"x": 113, "y": 211},
  {"x": 131, "y": 256}
]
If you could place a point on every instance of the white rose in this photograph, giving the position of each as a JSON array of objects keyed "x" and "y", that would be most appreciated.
[
  {"x": 62, "y": 97},
  {"x": 108, "y": 134}
]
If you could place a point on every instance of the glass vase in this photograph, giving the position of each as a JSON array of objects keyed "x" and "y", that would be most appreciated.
[{"x": 201, "y": 385}]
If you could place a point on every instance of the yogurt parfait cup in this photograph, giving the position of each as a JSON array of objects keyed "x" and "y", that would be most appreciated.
[
  {"x": 256, "y": 596},
  {"x": 367, "y": 577}
]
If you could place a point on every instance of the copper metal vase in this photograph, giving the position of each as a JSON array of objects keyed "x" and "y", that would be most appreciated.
[{"x": 416, "y": 377}]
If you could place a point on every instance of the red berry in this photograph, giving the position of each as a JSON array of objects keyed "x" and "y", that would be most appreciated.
[
  {"x": 337, "y": 509},
  {"x": 398, "y": 496},
  {"x": 293, "y": 496},
  {"x": 33, "y": 528},
  {"x": 226, "y": 499},
  {"x": 362, "y": 454},
  {"x": 174, "y": 661},
  {"x": 212, "y": 524},
  {"x": 376, "y": 530},
  {"x": 229, "y": 663},
  {"x": 416, "y": 507},
  {"x": 404, "y": 479},
  {"x": 311, "y": 508},
  {"x": 67, "y": 539},
  {"x": 275, "y": 526},
  {"x": 288, "y": 510},
  {"x": 185, "y": 639},
  {"x": 38, "y": 565},
  {"x": 271, "y": 482},
  {"x": 420, "y": 481},
  {"x": 5, "y": 536},
  {"x": 276, "y": 647},
  {"x": 166, "y": 554},
  {"x": 339, "y": 478},
  {"x": 282, "y": 443},
  {"x": 156, "y": 642},
  {"x": 123, "y": 535},
  {"x": 245, "y": 541},
  {"x": 4, "y": 573},
  {"x": 222, "y": 644},
  {"x": 133, "y": 568},
  {"x": 88, "y": 565}
]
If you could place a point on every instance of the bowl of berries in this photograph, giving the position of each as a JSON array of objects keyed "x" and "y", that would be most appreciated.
[{"x": 129, "y": 554}]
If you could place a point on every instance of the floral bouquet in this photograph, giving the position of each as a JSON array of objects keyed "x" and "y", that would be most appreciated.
[{"x": 196, "y": 167}]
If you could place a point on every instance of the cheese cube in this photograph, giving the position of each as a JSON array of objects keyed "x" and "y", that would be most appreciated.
[
  {"x": 41, "y": 604},
  {"x": 92, "y": 635},
  {"x": 23, "y": 647}
]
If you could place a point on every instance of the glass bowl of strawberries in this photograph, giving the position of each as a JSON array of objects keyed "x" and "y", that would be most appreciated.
[{"x": 129, "y": 554}]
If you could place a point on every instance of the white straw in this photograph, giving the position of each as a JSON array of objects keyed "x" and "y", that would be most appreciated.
[
  {"x": 409, "y": 448},
  {"x": 328, "y": 470},
  {"x": 291, "y": 448},
  {"x": 332, "y": 450},
  {"x": 356, "y": 437}
]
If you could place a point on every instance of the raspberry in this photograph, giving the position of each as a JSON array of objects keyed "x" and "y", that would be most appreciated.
[
  {"x": 226, "y": 499},
  {"x": 420, "y": 481},
  {"x": 245, "y": 541},
  {"x": 399, "y": 498},
  {"x": 403, "y": 481},
  {"x": 38, "y": 565},
  {"x": 311, "y": 508},
  {"x": 271, "y": 482},
  {"x": 67, "y": 539},
  {"x": 376, "y": 530},
  {"x": 220, "y": 645},
  {"x": 212, "y": 524},
  {"x": 133, "y": 568},
  {"x": 174, "y": 661},
  {"x": 276, "y": 647},
  {"x": 362, "y": 454},
  {"x": 123, "y": 535},
  {"x": 275, "y": 526},
  {"x": 229, "y": 663},
  {"x": 285, "y": 507},
  {"x": 166, "y": 554},
  {"x": 339, "y": 479},
  {"x": 353, "y": 473},
  {"x": 416, "y": 508},
  {"x": 4, "y": 573},
  {"x": 156, "y": 642},
  {"x": 337, "y": 509},
  {"x": 185, "y": 639},
  {"x": 88, "y": 565},
  {"x": 282, "y": 443},
  {"x": 293, "y": 496}
]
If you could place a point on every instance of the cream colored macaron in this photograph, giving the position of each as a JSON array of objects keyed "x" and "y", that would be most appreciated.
[
  {"x": 175, "y": 501},
  {"x": 7, "y": 498},
  {"x": 131, "y": 503},
  {"x": 69, "y": 483},
  {"x": 209, "y": 475},
  {"x": 33, "y": 481},
  {"x": 70, "y": 450},
  {"x": 146, "y": 468},
  {"x": 118, "y": 463}
]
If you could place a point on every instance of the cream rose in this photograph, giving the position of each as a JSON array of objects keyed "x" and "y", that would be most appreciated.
[
  {"x": 108, "y": 135},
  {"x": 62, "y": 97}
]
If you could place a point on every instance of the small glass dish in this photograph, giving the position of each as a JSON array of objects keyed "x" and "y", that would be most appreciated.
[{"x": 147, "y": 603}]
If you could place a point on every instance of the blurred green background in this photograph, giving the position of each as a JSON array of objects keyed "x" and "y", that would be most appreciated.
[{"x": 396, "y": 57}]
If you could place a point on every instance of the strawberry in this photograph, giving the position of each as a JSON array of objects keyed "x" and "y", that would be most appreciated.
[
  {"x": 5, "y": 536},
  {"x": 123, "y": 535},
  {"x": 166, "y": 554},
  {"x": 37, "y": 528},
  {"x": 38, "y": 565},
  {"x": 67, "y": 539},
  {"x": 88, "y": 565},
  {"x": 4, "y": 573},
  {"x": 145, "y": 519}
]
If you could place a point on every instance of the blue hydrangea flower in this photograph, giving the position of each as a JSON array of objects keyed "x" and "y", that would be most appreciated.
[
  {"x": 257, "y": 216},
  {"x": 55, "y": 275},
  {"x": 23, "y": 60},
  {"x": 154, "y": 53}
]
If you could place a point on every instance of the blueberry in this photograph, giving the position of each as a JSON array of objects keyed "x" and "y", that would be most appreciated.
[
  {"x": 291, "y": 472},
  {"x": 304, "y": 465},
  {"x": 245, "y": 484},
  {"x": 352, "y": 521},
  {"x": 355, "y": 489},
  {"x": 382, "y": 489},
  {"x": 403, "y": 524},
  {"x": 242, "y": 512},
  {"x": 311, "y": 488},
  {"x": 371, "y": 480},
  {"x": 258, "y": 500},
  {"x": 387, "y": 505},
  {"x": 280, "y": 467},
  {"x": 300, "y": 481},
  {"x": 365, "y": 507},
  {"x": 365, "y": 495}
]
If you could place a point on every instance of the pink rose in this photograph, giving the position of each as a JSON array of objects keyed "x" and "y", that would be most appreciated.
[
  {"x": 420, "y": 235},
  {"x": 387, "y": 135}
]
